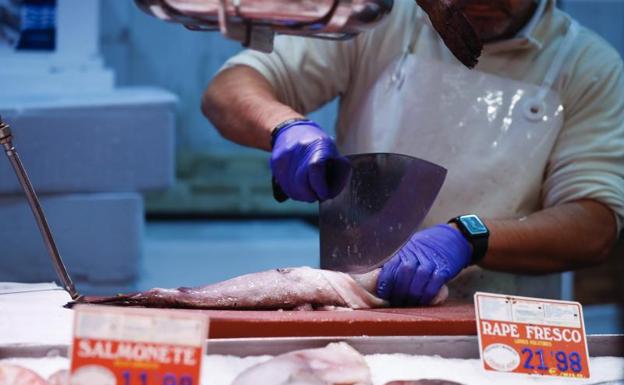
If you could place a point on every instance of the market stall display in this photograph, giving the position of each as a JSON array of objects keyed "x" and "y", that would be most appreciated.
[{"x": 389, "y": 359}]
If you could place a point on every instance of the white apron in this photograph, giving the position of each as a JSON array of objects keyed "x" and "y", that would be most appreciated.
[{"x": 494, "y": 135}]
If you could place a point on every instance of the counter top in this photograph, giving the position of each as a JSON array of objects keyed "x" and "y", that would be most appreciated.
[{"x": 33, "y": 314}]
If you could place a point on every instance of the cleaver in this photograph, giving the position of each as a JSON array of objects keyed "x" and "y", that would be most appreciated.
[{"x": 382, "y": 204}]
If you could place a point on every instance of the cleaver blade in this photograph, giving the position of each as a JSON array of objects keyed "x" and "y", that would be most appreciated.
[{"x": 383, "y": 203}]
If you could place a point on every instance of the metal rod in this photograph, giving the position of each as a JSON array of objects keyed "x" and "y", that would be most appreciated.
[{"x": 33, "y": 201}]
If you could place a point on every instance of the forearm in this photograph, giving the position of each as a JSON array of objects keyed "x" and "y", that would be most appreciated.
[
  {"x": 243, "y": 106},
  {"x": 566, "y": 237}
]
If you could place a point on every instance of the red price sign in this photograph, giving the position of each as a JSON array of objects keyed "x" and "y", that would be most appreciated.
[
  {"x": 127, "y": 346},
  {"x": 531, "y": 336}
]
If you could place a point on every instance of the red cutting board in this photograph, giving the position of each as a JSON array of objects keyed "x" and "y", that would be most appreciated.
[{"x": 452, "y": 318}]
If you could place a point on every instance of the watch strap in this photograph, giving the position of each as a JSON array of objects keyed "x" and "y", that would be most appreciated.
[
  {"x": 282, "y": 126},
  {"x": 479, "y": 242}
]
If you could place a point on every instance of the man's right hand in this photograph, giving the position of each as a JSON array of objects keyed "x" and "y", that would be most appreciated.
[{"x": 306, "y": 163}]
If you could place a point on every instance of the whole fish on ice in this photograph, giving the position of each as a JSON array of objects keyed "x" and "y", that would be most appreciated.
[
  {"x": 17, "y": 375},
  {"x": 337, "y": 363},
  {"x": 59, "y": 378},
  {"x": 290, "y": 288},
  {"x": 424, "y": 382}
]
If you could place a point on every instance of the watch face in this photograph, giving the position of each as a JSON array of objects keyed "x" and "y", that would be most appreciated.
[{"x": 473, "y": 224}]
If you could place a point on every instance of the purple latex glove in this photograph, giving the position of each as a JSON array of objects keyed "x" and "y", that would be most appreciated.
[
  {"x": 415, "y": 274},
  {"x": 306, "y": 163}
]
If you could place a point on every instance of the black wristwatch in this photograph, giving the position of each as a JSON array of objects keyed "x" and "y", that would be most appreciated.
[
  {"x": 276, "y": 130},
  {"x": 476, "y": 232}
]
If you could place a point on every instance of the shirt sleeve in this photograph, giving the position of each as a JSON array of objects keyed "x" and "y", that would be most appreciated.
[
  {"x": 305, "y": 72},
  {"x": 588, "y": 158}
]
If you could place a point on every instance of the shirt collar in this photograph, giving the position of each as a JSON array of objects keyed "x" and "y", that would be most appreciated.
[{"x": 528, "y": 36}]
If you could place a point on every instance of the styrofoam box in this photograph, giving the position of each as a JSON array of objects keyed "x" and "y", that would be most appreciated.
[
  {"x": 114, "y": 141},
  {"x": 99, "y": 237}
]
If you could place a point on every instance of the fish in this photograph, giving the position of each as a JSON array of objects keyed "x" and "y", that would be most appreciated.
[
  {"x": 17, "y": 375},
  {"x": 287, "y": 288},
  {"x": 60, "y": 377},
  {"x": 337, "y": 363},
  {"x": 455, "y": 30},
  {"x": 424, "y": 382},
  {"x": 300, "y": 288}
]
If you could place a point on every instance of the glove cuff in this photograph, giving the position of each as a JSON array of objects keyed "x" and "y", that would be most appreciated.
[{"x": 286, "y": 125}]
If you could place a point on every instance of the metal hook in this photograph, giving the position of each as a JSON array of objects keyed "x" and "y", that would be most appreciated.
[{"x": 6, "y": 138}]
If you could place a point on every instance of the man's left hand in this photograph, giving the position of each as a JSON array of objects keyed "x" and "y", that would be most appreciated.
[{"x": 415, "y": 274}]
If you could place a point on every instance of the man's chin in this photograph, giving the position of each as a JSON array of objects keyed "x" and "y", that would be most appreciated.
[
  {"x": 489, "y": 30},
  {"x": 491, "y": 37},
  {"x": 493, "y": 14}
]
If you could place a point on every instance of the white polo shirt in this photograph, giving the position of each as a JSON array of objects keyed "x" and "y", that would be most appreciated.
[{"x": 587, "y": 161}]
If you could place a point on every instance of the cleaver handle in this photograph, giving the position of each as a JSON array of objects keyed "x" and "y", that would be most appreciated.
[
  {"x": 337, "y": 175},
  {"x": 278, "y": 194}
]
